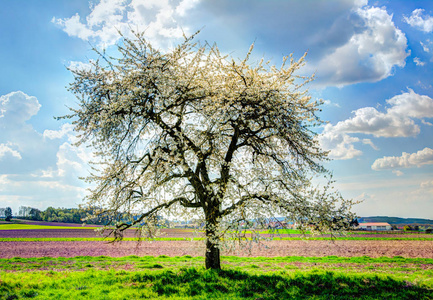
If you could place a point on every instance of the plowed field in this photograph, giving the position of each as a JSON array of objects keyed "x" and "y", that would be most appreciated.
[{"x": 346, "y": 248}]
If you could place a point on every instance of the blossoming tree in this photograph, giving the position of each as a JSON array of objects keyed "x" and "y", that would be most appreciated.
[{"x": 194, "y": 133}]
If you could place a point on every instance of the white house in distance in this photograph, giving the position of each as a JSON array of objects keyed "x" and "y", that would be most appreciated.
[{"x": 374, "y": 226}]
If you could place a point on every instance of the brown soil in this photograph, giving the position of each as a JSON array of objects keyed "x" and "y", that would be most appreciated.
[{"x": 423, "y": 249}]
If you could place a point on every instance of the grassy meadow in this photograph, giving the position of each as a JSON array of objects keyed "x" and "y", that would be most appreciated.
[{"x": 184, "y": 277}]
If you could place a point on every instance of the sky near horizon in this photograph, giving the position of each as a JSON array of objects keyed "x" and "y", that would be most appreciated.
[{"x": 373, "y": 64}]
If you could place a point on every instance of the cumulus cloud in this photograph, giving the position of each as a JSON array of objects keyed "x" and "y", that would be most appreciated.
[
  {"x": 16, "y": 110},
  {"x": 38, "y": 168},
  {"x": 159, "y": 20},
  {"x": 349, "y": 41},
  {"x": 65, "y": 130},
  {"x": 412, "y": 105},
  {"x": 185, "y": 5},
  {"x": 368, "y": 120},
  {"x": 420, "y": 21},
  {"x": 406, "y": 160},
  {"x": 396, "y": 121},
  {"x": 72, "y": 161},
  {"x": 339, "y": 144},
  {"x": 370, "y": 54},
  {"x": 17, "y": 107},
  {"x": 6, "y": 150}
]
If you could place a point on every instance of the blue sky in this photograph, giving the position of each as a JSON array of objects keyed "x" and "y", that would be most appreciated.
[{"x": 372, "y": 61}]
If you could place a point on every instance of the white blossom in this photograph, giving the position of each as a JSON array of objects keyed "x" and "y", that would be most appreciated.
[{"x": 198, "y": 134}]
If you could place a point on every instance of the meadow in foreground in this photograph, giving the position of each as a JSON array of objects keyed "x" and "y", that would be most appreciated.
[
  {"x": 72, "y": 263},
  {"x": 241, "y": 278}
]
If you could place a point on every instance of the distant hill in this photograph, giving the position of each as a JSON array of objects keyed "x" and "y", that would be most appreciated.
[{"x": 396, "y": 221}]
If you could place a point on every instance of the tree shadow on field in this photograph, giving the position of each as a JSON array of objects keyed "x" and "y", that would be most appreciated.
[
  {"x": 198, "y": 283},
  {"x": 231, "y": 284}
]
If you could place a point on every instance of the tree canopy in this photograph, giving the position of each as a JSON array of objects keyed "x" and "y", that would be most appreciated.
[{"x": 192, "y": 132}]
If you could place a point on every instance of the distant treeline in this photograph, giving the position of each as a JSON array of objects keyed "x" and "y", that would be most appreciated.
[
  {"x": 64, "y": 215},
  {"x": 396, "y": 221}
]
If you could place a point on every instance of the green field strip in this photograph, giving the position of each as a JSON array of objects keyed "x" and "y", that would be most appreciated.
[
  {"x": 275, "y": 232},
  {"x": 231, "y": 259},
  {"x": 28, "y": 226},
  {"x": 60, "y": 239},
  {"x": 348, "y": 238},
  {"x": 94, "y": 239}
]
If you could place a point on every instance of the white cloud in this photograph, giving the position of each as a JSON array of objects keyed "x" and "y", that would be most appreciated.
[
  {"x": 65, "y": 130},
  {"x": 370, "y": 54},
  {"x": 396, "y": 121},
  {"x": 420, "y": 21},
  {"x": 368, "y": 120},
  {"x": 74, "y": 27},
  {"x": 185, "y": 5},
  {"x": 3, "y": 180},
  {"x": 364, "y": 196},
  {"x": 72, "y": 161},
  {"x": 411, "y": 104},
  {"x": 38, "y": 168},
  {"x": 330, "y": 103},
  {"x": 17, "y": 107},
  {"x": 161, "y": 20},
  {"x": 427, "y": 184},
  {"x": 78, "y": 65},
  {"x": 6, "y": 149},
  {"x": 426, "y": 123},
  {"x": 339, "y": 144},
  {"x": 425, "y": 47},
  {"x": 418, "y": 61},
  {"x": 398, "y": 172},
  {"x": 423, "y": 85},
  {"x": 369, "y": 142},
  {"x": 406, "y": 160},
  {"x": 350, "y": 42}
]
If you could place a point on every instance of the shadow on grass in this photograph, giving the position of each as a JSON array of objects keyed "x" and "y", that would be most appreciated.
[
  {"x": 197, "y": 283},
  {"x": 318, "y": 285}
]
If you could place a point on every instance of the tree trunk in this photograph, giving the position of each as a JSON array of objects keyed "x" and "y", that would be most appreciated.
[{"x": 212, "y": 254}]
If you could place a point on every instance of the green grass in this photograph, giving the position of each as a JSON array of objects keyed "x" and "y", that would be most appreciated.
[
  {"x": 180, "y": 282},
  {"x": 17, "y": 226},
  {"x": 349, "y": 238},
  {"x": 92, "y": 239},
  {"x": 343, "y": 238},
  {"x": 280, "y": 231},
  {"x": 183, "y": 277},
  {"x": 381, "y": 264}
]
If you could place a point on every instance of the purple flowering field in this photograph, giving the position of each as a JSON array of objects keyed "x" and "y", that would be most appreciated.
[{"x": 62, "y": 248}]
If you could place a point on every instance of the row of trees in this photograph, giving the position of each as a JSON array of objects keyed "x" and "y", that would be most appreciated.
[{"x": 65, "y": 215}]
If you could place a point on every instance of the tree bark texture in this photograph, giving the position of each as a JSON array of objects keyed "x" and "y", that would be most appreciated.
[{"x": 212, "y": 255}]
